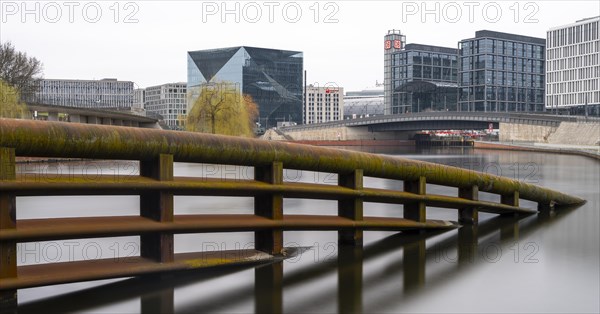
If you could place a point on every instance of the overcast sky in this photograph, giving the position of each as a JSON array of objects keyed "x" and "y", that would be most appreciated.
[{"x": 146, "y": 41}]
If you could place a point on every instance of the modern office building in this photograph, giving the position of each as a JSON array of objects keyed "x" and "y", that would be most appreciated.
[
  {"x": 170, "y": 102},
  {"x": 418, "y": 77},
  {"x": 97, "y": 94},
  {"x": 138, "y": 100},
  {"x": 274, "y": 79},
  {"x": 573, "y": 67},
  {"x": 501, "y": 72},
  {"x": 364, "y": 103},
  {"x": 323, "y": 104}
]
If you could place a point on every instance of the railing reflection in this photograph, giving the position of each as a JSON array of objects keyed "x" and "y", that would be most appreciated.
[
  {"x": 350, "y": 278},
  {"x": 268, "y": 291},
  {"x": 459, "y": 251}
]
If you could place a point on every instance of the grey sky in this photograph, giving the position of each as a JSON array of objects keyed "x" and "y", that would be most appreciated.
[{"x": 151, "y": 49}]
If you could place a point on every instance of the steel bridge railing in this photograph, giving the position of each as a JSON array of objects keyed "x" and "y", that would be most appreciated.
[{"x": 157, "y": 150}]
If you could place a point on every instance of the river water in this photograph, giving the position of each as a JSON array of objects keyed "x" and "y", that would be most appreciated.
[{"x": 539, "y": 263}]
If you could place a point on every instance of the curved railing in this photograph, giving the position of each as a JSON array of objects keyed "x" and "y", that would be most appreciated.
[{"x": 156, "y": 151}]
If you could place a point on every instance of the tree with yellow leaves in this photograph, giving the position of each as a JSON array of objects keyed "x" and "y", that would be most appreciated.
[
  {"x": 10, "y": 104},
  {"x": 221, "y": 110}
]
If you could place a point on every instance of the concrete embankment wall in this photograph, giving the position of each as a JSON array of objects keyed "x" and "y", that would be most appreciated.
[
  {"x": 395, "y": 143},
  {"x": 573, "y": 133},
  {"x": 525, "y": 132},
  {"x": 336, "y": 133}
]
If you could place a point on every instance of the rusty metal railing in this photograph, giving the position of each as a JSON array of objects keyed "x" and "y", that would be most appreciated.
[{"x": 156, "y": 185}]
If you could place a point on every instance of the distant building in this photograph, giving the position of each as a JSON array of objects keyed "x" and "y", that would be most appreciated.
[
  {"x": 573, "y": 67},
  {"x": 170, "y": 102},
  {"x": 138, "y": 100},
  {"x": 418, "y": 77},
  {"x": 323, "y": 104},
  {"x": 501, "y": 72},
  {"x": 366, "y": 102},
  {"x": 98, "y": 94},
  {"x": 273, "y": 78}
]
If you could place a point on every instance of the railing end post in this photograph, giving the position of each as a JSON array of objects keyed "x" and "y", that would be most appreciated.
[{"x": 8, "y": 220}]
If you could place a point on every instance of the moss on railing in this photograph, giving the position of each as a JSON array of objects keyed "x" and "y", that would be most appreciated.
[{"x": 72, "y": 140}]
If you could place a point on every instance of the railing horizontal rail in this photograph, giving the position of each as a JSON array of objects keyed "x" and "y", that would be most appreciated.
[
  {"x": 132, "y": 185},
  {"x": 54, "y": 139},
  {"x": 92, "y": 227},
  {"x": 67, "y": 272}
]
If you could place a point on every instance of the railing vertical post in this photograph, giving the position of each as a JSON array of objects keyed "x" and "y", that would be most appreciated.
[
  {"x": 268, "y": 288},
  {"x": 8, "y": 220},
  {"x": 161, "y": 301},
  {"x": 269, "y": 206},
  {"x": 350, "y": 279},
  {"x": 413, "y": 264},
  {"x": 157, "y": 206},
  {"x": 511, "y": 199},
  {"x": 351, "y": 208},
  {"x": 468, "y": 244},
  {"x": 416, "y": 210},
  {"x": 469, "y": 214}
]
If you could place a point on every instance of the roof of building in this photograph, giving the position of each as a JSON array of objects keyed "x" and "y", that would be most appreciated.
[
  {"x": 507, "y": 36},
  {"x": 578, "y": 22},
  {"x": 431, "y": 48}
]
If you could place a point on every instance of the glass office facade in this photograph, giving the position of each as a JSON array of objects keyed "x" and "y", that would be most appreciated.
[
  {"x": 501, "y": 72},
  {"x": 419, "y": 78},
  {"x": 424, "y": 79},
  {"x": 272, "y": 77}
]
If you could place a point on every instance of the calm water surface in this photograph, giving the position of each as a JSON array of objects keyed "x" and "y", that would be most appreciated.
[{"x": 540, "y": 263}]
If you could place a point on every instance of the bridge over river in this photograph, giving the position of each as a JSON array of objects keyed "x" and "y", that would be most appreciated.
[{"x": 513, "y": 126}]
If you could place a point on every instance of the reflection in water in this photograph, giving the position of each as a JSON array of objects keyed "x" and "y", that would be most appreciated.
[
  {"x": 268, "y": 291},
  {"x": 160, "y": 301},
  {"x": 350, "y": 278},
  {"x": 414, "y": 265},
  {"x": 156, "y": 293},
  {"x": 387, "y": 275}
]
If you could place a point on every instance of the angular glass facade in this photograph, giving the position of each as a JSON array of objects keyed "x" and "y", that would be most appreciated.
[
  {"x": 272, "y": 77},
  {"x": 419, "y": 77},
  {"x": 501, "y": 72}
]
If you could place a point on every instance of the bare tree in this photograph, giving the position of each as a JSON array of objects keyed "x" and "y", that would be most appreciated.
[{"x": 18, "y": 70}]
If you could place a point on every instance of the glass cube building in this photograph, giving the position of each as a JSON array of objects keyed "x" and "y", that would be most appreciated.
[
  {"x": 274, "y": 79},
  {"x": 501, "y": 72},
  {"x": 418, "y": 77}
]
